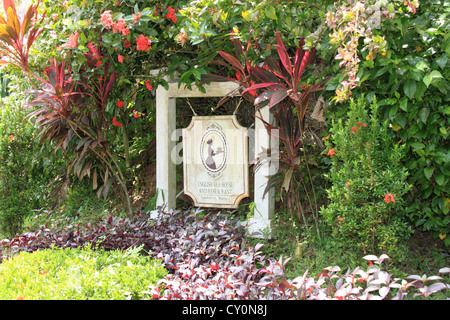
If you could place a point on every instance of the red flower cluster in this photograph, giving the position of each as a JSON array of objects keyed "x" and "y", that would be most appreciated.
[
  {"x": 143, "y": 43},
  {"x": 121, "y": 27},
  {"x": 331, "y": 152},
  {"x": 171, "y": 15},
  {"x": 120, "y": 104},
  {"x": 148, "y": 85},
  {"x": 106, "y": 19},
  {"x": 136, "y": 17},
  {"x": 137, "y": 114},
  {"x": 126, "y": 43},
  {"x": 117, "y": 123}
]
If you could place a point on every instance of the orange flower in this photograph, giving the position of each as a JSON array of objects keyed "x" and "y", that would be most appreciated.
[
  {"x": 120, "y": 58},
  {"x": 389, "y": 198},
  {"x": 117, "y": 123},
  {"x": 331, "y": 152}
]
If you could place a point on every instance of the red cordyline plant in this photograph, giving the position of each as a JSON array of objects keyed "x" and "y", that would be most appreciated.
[
  {"x": 277, "y": 84},
  {"x": 17, "y": 35},
  {"x": 65, "y": 113}
]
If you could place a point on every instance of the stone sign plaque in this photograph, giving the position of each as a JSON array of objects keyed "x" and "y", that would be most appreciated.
[{"x": 215, "y": 161}]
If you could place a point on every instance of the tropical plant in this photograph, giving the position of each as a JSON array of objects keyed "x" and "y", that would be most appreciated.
[
  {"x": 366, "y": 208},
  {"x": 398, "y": 51},
  {"x": 286, "y": 96},
  {"x": 17, "y": 35}
]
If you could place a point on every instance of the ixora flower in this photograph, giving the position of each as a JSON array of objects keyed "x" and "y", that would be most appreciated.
[
  {"x": 148, "y": 85},
  {"x": 121, "y": 27},
  {"x": 117, "y": 123},
  {"x": 171, "y": 15},
  {"x": 143, "y": 43},
  {"x": 389, "y": 197},
  {"x": 73, "y": 40},
  {"x": 182, "y": 38},
  {"x": 106, "y": 19},
  {"x": 136, "y": 17},
  {"x": 137, "y": 114},
  {"x": 331, "y": 152},
  {"x": 126, "y": 43},
  {"x": 120, "y": 104}
]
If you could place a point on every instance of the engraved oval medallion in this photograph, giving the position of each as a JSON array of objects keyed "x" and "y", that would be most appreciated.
[{"x": 213, "y": 149}]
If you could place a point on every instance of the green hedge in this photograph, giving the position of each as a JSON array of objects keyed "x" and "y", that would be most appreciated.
[{"x": 81, "y": 273}]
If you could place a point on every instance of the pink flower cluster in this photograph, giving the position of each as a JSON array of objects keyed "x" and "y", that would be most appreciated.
[
  {"x": 73, "y": 40},
  {"x": 350, "y": 23},
  {"x": 118, "y": 27}
]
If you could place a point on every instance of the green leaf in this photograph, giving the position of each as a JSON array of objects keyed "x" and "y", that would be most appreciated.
[
  {"x": 446, "y": 110},
  {"x": 428, "y": 79},
  {"x": 409, "y": 88},
  {"x": 417, "y": 145},
  {"x": 442, "y": 61},
  {"x": 428, "y": 172},
  {"x": 401, "y": 119},
  {"x": 440, "y": 179},
  {"x": 423, "y": 114},
  {"x": 404, "y": 104},
  {"x": 270, "y": 12}
]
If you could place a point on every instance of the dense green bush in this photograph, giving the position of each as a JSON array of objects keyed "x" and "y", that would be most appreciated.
[
  {"x": 79, "y": 274},
  {"x": 24, "y": 170},
  {"x": 403, "y": 60},
  {"x": 366, "y": 208}
]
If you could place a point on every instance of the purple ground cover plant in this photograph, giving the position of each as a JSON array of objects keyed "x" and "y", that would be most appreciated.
[{"x": 207, "y": 258}]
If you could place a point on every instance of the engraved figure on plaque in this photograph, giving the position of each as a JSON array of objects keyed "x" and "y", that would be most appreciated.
[{"x": 215, "y": 161}]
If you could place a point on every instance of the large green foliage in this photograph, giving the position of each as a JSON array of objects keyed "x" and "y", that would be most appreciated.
[
  {"x": 25, "y": 171},
  {"x": 410, "y": 77}
]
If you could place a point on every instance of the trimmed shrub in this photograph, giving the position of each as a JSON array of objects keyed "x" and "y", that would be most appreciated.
[
  {"x": 366, "y": 208},
  {"x": 80, "y": 273}
]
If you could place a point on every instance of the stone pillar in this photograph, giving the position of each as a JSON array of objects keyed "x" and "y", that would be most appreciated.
[
  {"x": 165, "y": 167},
  {"x": 260, "y": 225}
]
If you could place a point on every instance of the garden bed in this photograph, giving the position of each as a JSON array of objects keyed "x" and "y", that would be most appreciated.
[{"x": 207, "y": 257}]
